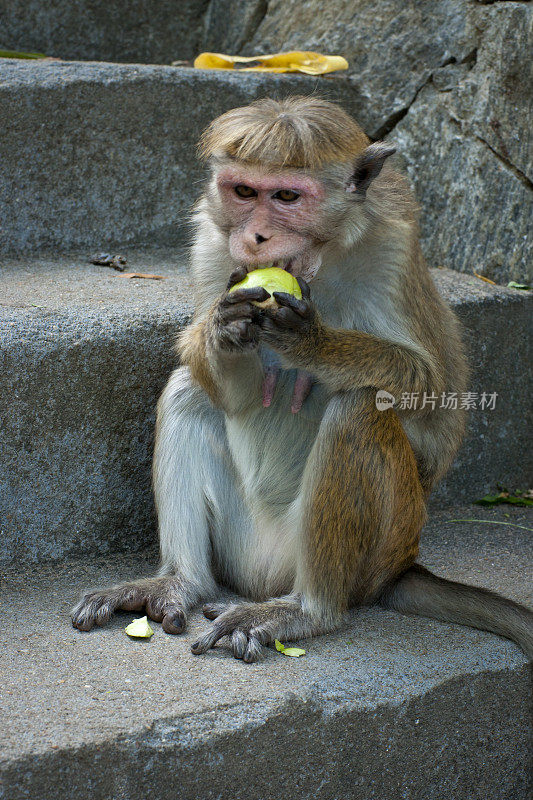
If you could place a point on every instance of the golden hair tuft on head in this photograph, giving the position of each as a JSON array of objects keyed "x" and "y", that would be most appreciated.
[{"x": 298, "y": 132}]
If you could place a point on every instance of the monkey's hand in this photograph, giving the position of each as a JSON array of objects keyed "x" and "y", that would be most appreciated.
[
  {"x": 234, "y": 324},
  {"x": 251, "y": 626},
  {"x": 290, "y": 327}
]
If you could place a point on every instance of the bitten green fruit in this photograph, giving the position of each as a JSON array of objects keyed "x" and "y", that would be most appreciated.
[
  {"x": 139, "y": 628},
  {"x": 295, "y": 652},
  {"x": 273, "y": 279}
]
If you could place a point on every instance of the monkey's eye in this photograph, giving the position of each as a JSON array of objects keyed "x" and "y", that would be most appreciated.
[
  {"x": 245, "y": 191},
  {"x": 286, "y": 195}
]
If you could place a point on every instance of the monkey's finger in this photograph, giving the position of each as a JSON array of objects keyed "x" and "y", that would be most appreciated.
[
  {"x": 304, "y": 286},
  {"x": 206, "y": 642},
  {"x": 239, "y": 331},
  {"x": 236, "y": 276},
  {"x": 243, "y": 330},
  {"x": 288, "y": 300},
  {"x": 266, "y": 320},
  {"x": 257, "y": 293},
  {"x": 174, "y": 621},
  {"x": 287, "y": 319},
  {"x": 240, "y": 310}
]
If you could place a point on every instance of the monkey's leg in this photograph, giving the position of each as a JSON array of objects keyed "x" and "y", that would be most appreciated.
[
  {"x": 195, "y": 496},
  {"x": 362, "y": 509}
]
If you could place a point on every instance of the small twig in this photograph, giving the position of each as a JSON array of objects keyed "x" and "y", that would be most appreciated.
[
  {"x": 492, "y": 522},
  {"x": 147, "y": 275},
  {"x": 483, "y": 278}
]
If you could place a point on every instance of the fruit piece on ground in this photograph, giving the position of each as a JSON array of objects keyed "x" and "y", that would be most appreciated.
[{"x": 139, "y": 628}]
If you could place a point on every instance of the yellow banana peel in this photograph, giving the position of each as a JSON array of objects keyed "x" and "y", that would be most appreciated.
[{"x": 295, "y": 61}]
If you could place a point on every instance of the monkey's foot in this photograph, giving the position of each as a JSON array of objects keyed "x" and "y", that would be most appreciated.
[
  {"x": 159, "y": 598},
  {"x": 251, "y": 626}
]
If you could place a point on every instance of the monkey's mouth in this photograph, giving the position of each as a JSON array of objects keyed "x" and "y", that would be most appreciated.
[{"x": 305, "y": 265}]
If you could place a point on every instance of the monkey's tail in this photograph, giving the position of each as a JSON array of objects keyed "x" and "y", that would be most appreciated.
[{"x": 420, "y": 592}]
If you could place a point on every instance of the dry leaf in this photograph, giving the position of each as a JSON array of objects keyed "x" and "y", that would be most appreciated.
[
  {"x": 295, "y": 61},
  {"x": 143, "y": 275},
  {"x": 106, "y": 260},
  {"x": 482, "y": 278}
]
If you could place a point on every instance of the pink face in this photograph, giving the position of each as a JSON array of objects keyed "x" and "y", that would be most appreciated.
[{"x": 271, "y": 219}]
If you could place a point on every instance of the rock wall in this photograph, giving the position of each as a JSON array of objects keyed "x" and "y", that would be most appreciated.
[
  {"x": 127, "y": 31},
  {"x": 447, "y": 80},
  {"x": 450, "y": 82}
]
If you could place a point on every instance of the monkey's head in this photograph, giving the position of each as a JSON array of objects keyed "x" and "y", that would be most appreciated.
[{"x": 289, "y": 177}]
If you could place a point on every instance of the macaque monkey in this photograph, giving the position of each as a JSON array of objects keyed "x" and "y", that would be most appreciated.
[{"x": 275, "y": 474}]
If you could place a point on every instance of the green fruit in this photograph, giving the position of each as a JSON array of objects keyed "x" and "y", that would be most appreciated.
[
  {"x": 273, "y": 279},
  {"x": 139, "y": 628}
]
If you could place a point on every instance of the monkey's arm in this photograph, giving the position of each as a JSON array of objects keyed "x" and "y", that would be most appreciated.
[
  {"x": 346, "y": 359},
  {"x": 221, "y": 350}
]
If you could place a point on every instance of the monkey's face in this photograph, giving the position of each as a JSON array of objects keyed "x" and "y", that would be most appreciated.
[{"x": 270, "y": 218}]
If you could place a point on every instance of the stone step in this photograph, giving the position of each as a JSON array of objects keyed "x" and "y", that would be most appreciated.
[
  {"x": 152, "y": 31},
  {"x": 85, "y": 354},
  {"x": 95, "y": 154},
  {"x": 388, "y": 707}
]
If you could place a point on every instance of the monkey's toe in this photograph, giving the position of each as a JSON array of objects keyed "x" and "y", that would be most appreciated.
[
  {"x": 174, "y": 621},
  {"x": 82, "y": 623},
  {"x": 91, "y": 610},
  {"x": 239, "y": 643},
  {"x": 155, "y": 608},
  {"x": 214, "y": 610},
  {"x": 254, "y": 651}
]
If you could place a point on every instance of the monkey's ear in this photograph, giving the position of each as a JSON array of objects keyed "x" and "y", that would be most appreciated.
[{"x": 368, "y": 166}]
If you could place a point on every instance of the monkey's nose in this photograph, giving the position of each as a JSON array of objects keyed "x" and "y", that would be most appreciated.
[{"x": 260, "y": 239}]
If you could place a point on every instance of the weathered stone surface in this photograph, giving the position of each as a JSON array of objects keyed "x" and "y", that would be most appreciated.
[
  {"x": 95, "y": 154},
  {"x": 230, "y": 24},
  {"x": 476, "y": 213},
  {"x": 85, "y": 354},
  {"x": 448, "y": 79},
  {"x": 392, "y": 46},
  {"x": 138, "y": 31},
  {"x": 466, "y": 137},
  {"x": 386, "y": 708},
  {"x": 466, "y": 145}
]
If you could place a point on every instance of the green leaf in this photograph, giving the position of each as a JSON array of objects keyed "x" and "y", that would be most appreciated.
[
  {"x": 515, "y": 285},
  {"x": 18, "y": 54},
  {"x": 295, "y": 652},
  {"x": 488, "y": 500},
  {"x": 279, "y": 647},
  {"x": 504, "y": 497}
]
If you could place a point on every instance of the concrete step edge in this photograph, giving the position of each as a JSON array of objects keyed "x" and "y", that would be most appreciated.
[{"x": 387, "y": 705}]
